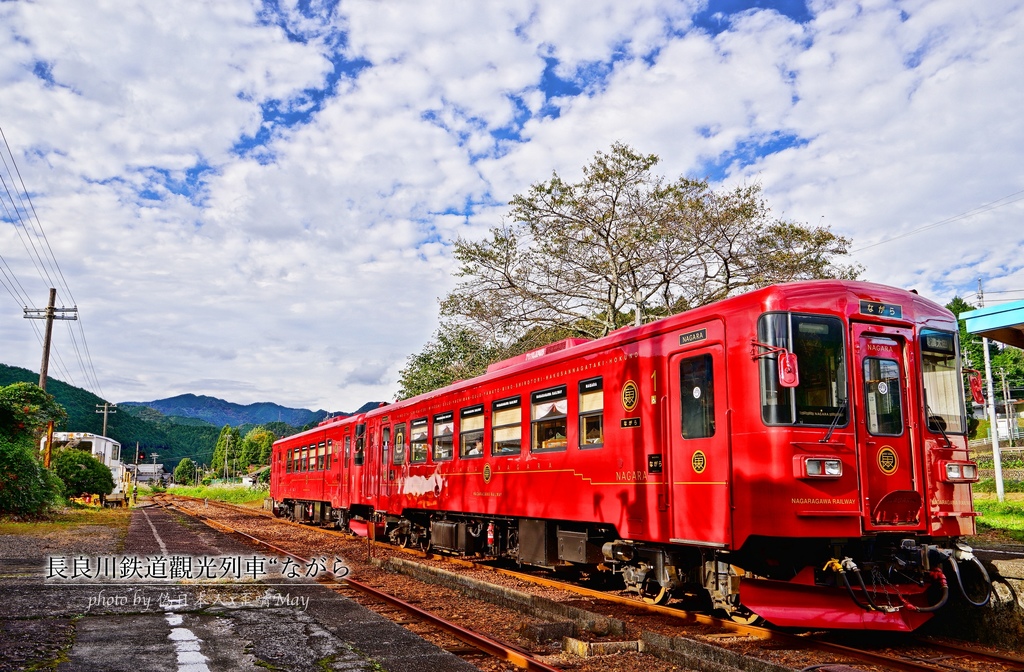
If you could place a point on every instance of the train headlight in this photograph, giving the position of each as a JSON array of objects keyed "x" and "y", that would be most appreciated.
[
  {"x": 822, "y": 467},
  {"x": 958, "y": 472}
]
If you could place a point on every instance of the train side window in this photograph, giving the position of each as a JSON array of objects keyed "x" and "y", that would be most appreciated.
[
  {"x": 418, "y": 440},
  {"x": 303, "y": 458},
  {"x": 548, "y": 415},
  {"x": 330, "y": 452},
  {"x": 321, "y": 455},
  {"x": 385, "y": 444},
  {"x": 444, "y": 436},
  {"x": 348, "y": 449},
  {"x": 818, "y": 342},
  {"x": 882, "y": 396},
  {"x": 591, "y": 413},
  {"x": 471, "y": 431},
  {"x": 507, "y": 426},
  {"x": 359, "y": 457},
  {"x": 398, "y": 456},
  {"x": 697, "y": 396},
  {"x": 289, "y": 461}
]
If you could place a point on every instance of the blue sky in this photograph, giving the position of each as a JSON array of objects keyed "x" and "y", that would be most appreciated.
[{"x": 254, "y": 200}]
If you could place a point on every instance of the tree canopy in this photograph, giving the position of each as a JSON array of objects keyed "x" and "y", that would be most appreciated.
[
  {"x": 82, "y": 473},
  {"x": 585, "y": 256},
  {"x": 26, "y": 487},
  {"x": 621, "y": 246}
]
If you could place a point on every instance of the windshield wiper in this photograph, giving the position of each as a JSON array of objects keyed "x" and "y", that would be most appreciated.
[
  {"x": 939, "y": 423},
  {"x": 835, "y": 420}
]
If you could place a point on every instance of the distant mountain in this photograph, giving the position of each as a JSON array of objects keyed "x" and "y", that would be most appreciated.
[
  {"x": 184, "y": 426},
  {"x": 219, "y": 412}
]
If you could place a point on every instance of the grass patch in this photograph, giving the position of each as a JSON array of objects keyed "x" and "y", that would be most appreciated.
[
  {"x": 238, "y": 494},
  {"x": 1006, "y": 517},
  {"x": 68, "y": 518}
]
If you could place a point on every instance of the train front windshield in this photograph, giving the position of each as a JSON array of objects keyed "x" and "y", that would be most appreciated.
[
  {"x": 942, "y": 387},
  {"x": 820, "y": 398}
]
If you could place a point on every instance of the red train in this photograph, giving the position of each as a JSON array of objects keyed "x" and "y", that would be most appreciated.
[{"x": 796, "y": 453}]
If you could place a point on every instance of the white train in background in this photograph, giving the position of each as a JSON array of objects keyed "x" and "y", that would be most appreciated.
[{"x": 104, "y": 449}]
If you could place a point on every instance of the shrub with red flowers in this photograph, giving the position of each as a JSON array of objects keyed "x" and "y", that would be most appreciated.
[{"x": 26, "y": 487}]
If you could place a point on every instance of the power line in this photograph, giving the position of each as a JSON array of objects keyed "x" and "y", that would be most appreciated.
[
  {"x": 987, "y": 207},
  {"x": 19, "y": 210}
]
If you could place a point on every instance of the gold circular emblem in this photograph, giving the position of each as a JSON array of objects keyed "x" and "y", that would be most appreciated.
[
  {"x": 699, "y": 461},
  {"x": 487, "y": 473},
  {"x": 630, "y": 395},
  {"x": 888, "y": 462}
]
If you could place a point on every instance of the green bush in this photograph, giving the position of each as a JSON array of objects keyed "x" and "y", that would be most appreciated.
[
  {"x": 26, "y": 487},
  {"x": 82, "y": 473}
]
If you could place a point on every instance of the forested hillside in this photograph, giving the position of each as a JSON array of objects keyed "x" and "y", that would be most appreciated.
[{"x": 172, "y": 438}]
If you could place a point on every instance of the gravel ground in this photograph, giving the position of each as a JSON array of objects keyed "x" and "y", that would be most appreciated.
[{"x": 999, "y": 624}]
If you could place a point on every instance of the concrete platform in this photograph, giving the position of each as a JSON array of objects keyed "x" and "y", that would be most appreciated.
[{"x": 53, "y": 614}]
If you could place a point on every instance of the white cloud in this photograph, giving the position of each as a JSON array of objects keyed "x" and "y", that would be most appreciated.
[{"x": 303, "y": 267}]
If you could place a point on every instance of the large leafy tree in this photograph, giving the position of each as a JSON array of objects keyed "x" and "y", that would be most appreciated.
[
  {"x": 587, "y": 256},
  {"x": 256, "y": 446},
  {"x": 621, "y": 246},
  {"x": 454, "y": 353},
  {"x": 229, "y": 447},
  {"x": 185, "y": 472},
  {"x": 26, "y": 487}
]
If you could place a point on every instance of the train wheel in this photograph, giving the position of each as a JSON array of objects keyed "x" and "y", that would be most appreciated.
[
  {"x": 744, "y": 616},
  {"x": 654, "y": 593}
]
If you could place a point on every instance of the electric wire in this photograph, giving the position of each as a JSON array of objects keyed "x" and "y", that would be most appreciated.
[
  {"x": 19, "y": 210},
  {"x": 985, "y": 207}
]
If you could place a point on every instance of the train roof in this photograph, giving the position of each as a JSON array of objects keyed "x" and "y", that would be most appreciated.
[{"x": 839, "y": 295}]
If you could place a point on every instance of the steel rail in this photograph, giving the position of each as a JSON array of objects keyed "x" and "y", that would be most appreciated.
[
  {"x": 494, "y": 648},
  {"x": 798, "y": 641}
]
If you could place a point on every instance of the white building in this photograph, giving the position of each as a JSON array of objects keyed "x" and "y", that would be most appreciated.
[
  {"x": 102, "y": 448},
  {"x": 148, "y": 473}
]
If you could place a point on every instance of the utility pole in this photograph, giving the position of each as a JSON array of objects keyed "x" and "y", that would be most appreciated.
[
  {"x": 106, "y": 408},
  {"x": 50, "y": 313},
  {"x": 997, "y": 458},
  {"x": 227, "y": 449},
  {"x": 1011, "y": 420}
]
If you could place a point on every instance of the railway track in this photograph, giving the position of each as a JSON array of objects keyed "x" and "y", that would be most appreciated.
[
  {"x": 838, "y": 650},
  {"x": 475, "y": 643}
]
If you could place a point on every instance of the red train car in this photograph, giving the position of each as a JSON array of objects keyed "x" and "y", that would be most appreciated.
[{"x": 797, "y": 453}]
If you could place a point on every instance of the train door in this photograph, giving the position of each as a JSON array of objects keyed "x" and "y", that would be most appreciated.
[
  {"x": 369, "y": 475},
  {"x": 890, "y": 487},
  {"x": 346, "y": 470},
  {"x": 384, "y": 483},
  {"x": 698, "y": 448}
]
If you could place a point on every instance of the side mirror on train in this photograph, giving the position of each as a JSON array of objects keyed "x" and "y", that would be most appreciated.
[
  {"x": 789, "y": 374},
  {"x": 974, "y": 378}
]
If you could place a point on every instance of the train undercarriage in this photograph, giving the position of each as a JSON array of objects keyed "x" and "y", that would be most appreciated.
[{"x": 889, "y": 582}]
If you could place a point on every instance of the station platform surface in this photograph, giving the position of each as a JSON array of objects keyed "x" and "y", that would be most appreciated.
[{"x": 95, "y": 602}]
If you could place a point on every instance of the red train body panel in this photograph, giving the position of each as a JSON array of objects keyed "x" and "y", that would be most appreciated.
[{"x": 690, "y": 455}]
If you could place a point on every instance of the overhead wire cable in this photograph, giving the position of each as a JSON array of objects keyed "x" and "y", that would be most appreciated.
[
  {"x": 33, "y": 238},
  {"x": 986, "y": 207},
  {"x": 39, "y": 225}
]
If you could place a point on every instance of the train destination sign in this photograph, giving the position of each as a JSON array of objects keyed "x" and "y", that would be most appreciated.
[{"x": 881, "y": 309}]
